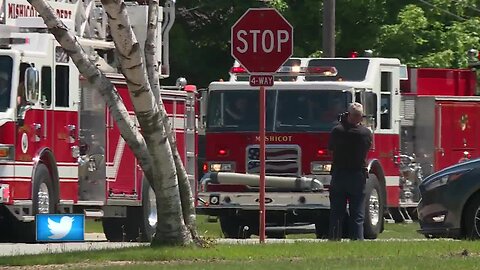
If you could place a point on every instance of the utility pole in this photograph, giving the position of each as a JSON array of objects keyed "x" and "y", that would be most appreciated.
[{"x": 328, "y": 28}]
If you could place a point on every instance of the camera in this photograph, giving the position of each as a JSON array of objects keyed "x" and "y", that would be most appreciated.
[{"x": 342, "y": 118}]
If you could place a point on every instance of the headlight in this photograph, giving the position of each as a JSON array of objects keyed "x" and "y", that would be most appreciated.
[
  {"x": 444, "y": 179},
  {"x": 320, "y": 168},
  {"x": 221, "y": 167},
  {"x": 6, "y": 151}
]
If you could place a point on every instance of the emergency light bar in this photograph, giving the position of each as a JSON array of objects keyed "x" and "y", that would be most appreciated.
[
  {"x": 296, "y": 70},
  {"x": 321, "y": 71},
  {"x": 5, "y": 43},
  {"x": 238, "y": 70},
  {"x": 5, "y": 36},
  {"x": 10, "y": 41}
]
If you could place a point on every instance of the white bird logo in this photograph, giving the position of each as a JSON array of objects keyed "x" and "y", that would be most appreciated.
[{"x": 60, "y": 229}]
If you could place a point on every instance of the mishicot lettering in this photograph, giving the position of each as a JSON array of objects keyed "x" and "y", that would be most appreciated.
[
  {"x": 280, "y": 138},
  {"x": 20, "y": 10}
]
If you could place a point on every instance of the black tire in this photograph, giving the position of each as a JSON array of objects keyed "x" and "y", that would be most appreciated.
[
  {"x": 122, "y": 229},
  {"x": 471, "y": 219},
  {"x": 42, "y": 187},
  {"x": 8, "y": 223},
  {"x": 44, "y": 201},
  {"x": 140, "y": 223},
  {"x": 432, "y": 236},
  {"x": 374, "y": 208},
  {"x": 113, "y": 228},
  {"x": 148, "y": 214},
  {"x": 233, "y": 227}
]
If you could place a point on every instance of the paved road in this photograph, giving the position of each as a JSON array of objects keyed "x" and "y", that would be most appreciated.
[{"x": 93, "y": 241}]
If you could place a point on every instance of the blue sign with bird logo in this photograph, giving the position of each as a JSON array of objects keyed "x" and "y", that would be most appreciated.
[{"x": 60, "y": 227}]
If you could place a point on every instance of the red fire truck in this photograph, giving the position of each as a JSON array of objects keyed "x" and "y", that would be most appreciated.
[
  {"x": 422, "y": 121},
  {"x": 60, "y": 150}
]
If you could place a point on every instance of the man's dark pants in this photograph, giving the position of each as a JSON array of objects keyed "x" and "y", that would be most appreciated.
[{"x": 347, "y": 185}]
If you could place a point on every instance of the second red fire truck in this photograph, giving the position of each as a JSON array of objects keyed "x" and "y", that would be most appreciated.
[
  {"x": 422, "y": 121},
  {"x": 60, "y": 150}
]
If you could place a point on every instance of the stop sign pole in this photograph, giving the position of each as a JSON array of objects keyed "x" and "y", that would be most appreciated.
[{"x": 262, "y": 40}]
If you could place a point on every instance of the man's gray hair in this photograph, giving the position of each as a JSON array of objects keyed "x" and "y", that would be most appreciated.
[{"x": 355, "y": 108}]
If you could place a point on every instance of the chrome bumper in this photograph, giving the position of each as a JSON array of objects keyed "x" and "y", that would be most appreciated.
[{"x": 273, "y": 200}]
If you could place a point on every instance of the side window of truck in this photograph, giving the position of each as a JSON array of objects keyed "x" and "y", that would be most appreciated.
[
  {"x": 371, "y": 108},
  {"x": 62, "y": 86},
  {"x": 385, "y": 103},
  {"x": 370, "y": 103},
  {"x": 385, "y": 112},
  {"x": 46, "y": 86}
]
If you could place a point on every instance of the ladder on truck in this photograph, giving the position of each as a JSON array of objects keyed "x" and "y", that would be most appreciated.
[{"x": 88, "y": 20}]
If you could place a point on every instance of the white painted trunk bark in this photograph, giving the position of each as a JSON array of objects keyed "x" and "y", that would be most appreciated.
[
  {"x": 98, "y": 80},
  {"x": 171, "y": 229},
  {"x": 186, "y": 196}
]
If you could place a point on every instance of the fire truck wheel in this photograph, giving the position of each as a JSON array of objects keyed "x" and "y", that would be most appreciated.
[
  {"x": 233, "y": 227},
  {"x": 122, "y": 229},
  {"x": 149, "y": 212},
  {"x": 374, "y": 207},
  {"x": 471, "y": 219},
  {"x": 43, "y": 199},
  {"x": 113, "y": 228}
]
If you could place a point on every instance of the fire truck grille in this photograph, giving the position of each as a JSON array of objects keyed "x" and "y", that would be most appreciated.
[{"x": 281, "y": 161}]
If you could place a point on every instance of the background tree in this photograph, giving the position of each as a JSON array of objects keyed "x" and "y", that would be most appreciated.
[
  {"x": 433, "y": 34},
  {"x": 420, "y": 32}
]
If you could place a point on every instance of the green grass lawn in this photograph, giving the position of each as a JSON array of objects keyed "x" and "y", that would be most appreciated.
[
  {"x": 212, "y": 230},
  {"x": 438, "y": 254},
  {"x": 93, "y": 226},
  {"x": 324, "y": 255}
]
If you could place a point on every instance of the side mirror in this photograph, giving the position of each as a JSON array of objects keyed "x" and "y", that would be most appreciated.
[
  {"x": 203, "y": 93},
  {"x": 32, "y": 84}
]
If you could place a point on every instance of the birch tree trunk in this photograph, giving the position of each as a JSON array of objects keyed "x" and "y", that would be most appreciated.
[
  {"x": 98, "y": 80},
  {"x": 186, "y": 196},
  {"x": 171, "y": 229}
]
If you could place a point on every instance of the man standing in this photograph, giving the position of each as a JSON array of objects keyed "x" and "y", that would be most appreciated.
[{"x": 349, "y": 142}]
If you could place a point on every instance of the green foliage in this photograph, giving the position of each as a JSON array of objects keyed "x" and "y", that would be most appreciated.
[
  {"x": 280, "y": 5},
  {"x": 434, "y": 33},
  {"x": 437, "y": 35}
]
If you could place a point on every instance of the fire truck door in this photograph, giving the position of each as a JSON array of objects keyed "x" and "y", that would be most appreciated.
[
  {"x": 123, "y": 175},
  {"x": 456, "y": 131},
  {"x": 65, "y": 124},
  {"x": 92, "y": 171}
]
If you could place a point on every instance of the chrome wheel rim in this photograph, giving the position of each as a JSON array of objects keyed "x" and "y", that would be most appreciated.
[
  {"x": 43, "y": 199},
  {"x": 374, "y": 208},
  {"x": 152, "y": 208},
  {"x": 476, "y": 221}
]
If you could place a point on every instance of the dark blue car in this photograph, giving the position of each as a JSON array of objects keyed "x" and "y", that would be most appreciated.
[{"x": 450, "y": 204}]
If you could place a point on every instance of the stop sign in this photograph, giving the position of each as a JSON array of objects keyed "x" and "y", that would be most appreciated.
[{"x": 262, "y": 40}]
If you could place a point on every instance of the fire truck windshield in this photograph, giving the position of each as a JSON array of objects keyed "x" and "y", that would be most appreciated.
[
  {"x": 5, "y": 82},
  {"x": 286, "y": 110}
]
